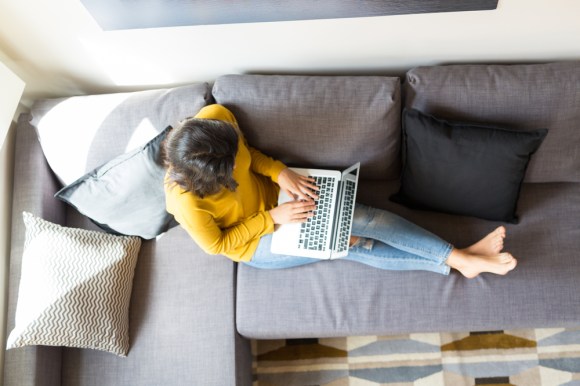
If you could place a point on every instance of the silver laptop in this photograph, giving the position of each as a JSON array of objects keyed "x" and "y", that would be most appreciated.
[{"x": 326, "y": 235}]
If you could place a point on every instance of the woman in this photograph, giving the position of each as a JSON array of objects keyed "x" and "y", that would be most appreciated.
[{"x": 224, "y": 194}]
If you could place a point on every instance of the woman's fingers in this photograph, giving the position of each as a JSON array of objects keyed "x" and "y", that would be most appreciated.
[
  {"x": 306, "y": 189},
  {"x": 302, "y": 210},
  {"x": 299, "y": 186},
  {"x": 293, "y": 212},
  {"x": 308, "y": 183}
]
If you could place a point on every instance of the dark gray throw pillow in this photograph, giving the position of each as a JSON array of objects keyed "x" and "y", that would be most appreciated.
[
  {"x": 125, "y": 195},
  {"x": 464, "y": 169}
]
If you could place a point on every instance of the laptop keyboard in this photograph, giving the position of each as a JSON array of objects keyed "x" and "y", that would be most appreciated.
[
  {"x": 344, "y": 233},
  {"x": 314, "y": 232}
]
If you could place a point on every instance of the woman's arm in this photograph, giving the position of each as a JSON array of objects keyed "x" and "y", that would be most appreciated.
[
  {"x": 295, "y": 185},
  {"x": 232, "y": 241},
  {"x": 298, "y": 186},
  {"x": 264, "y": 165}
]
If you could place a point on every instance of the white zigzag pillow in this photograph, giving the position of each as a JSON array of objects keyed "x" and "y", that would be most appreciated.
[{"x": 75, "y": 288}]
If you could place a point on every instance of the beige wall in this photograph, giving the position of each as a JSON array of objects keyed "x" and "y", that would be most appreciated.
[{"x": 61, "y": 50}]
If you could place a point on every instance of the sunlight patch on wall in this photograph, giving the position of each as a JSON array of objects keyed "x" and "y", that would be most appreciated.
[{"x": 124, "y": 65}]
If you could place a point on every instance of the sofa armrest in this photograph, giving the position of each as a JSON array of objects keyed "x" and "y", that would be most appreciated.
[{"x": 34, "y": 187}]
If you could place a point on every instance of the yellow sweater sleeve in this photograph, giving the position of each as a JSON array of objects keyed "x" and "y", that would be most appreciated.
[
  {"x": 238, "y": 242},
  {"x": 265, "y": 165}
]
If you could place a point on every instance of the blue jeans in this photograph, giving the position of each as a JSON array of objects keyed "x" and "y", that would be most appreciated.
[{"x": 387, "y": 241}]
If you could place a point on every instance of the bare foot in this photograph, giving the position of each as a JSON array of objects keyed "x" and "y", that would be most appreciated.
[
  {"x": 472, "y": 265},
  {"x": 490, "y": 245}
]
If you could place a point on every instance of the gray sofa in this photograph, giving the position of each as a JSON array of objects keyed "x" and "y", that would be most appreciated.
[{"x": 192, "y": 315}]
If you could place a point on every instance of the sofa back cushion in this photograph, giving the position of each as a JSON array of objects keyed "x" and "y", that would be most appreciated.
[
  {"x": 78, "y": 134},
  {"x": 520, "y": 97},
  {"x": 319, "y": 121}
]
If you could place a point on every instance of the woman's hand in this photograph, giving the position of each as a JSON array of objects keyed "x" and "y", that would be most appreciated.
[
  {"x": 297, "y": 186},
  {"x": 293, "y": 212}
]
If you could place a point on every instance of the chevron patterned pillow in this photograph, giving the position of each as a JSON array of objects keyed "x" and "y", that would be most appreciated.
[{"x": 75, "y": 288}]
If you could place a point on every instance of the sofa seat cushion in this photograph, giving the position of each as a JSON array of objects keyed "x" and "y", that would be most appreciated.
[
  {"x": 342, "y": 298},
  {"x": 519, "y": 97},
  {"x": 319, "y": 121},
  {"x": 182, "y": 328}
]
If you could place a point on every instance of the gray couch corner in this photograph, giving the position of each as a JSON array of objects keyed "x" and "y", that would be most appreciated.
[
  {"x": 34, "y": 186},
  {"x": 182, "y": 308}
]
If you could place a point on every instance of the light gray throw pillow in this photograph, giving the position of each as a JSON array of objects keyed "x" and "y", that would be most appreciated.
[{"x": 125, "y": 195}]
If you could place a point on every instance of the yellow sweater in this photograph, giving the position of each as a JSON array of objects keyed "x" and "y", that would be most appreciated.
[{"x": 230, "y": 223}]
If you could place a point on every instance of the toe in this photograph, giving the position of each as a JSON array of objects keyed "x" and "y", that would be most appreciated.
[
  {"x": 501, "y": 231},
  {"x": 506, "y": 258}
]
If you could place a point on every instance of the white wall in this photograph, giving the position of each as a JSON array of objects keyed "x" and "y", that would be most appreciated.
[{"x": 61, "y": 50}]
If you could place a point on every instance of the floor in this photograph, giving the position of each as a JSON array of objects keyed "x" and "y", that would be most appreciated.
[{"x": 520, "y": 357}]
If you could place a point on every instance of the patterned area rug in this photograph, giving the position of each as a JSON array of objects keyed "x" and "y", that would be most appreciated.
[{"x": 531, "y": 357}]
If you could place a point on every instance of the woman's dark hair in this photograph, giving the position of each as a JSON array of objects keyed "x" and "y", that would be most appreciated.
[{"x": 200, "y": 155}]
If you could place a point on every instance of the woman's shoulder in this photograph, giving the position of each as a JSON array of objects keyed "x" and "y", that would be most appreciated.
[
  {"x": 178, "y": 196},
  {"x": 182, "y": 203},
  {"x": 218, "y": 112}
]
